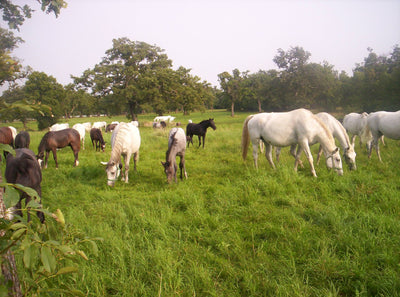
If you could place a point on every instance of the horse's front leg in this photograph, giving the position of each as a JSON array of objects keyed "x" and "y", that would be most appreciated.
[
  {"x": 182, "y": 166},
  {"x": 309, "y": 156},
  {"x": 204, "y": 139},
  {"x": 175, "y": 172},
  {"x": 126, "y": 177},
  {"x": 319, "y": 154},
  {"x": 54, "y": 150},
  {"x": 294, "y": 153},
  {"x": 199, "y": 140},
  {"x": 46, "y": 159},
  {"x": 76, "y": 152}
]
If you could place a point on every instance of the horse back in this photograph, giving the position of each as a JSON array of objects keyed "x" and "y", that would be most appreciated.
[
  {"x": 6, "y": 136},
  {"x": 24, "y": 169}
]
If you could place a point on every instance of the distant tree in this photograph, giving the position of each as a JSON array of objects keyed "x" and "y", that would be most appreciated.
[
  {"x": 233, "y": 86},
  {"x": 41, "y": 89}
]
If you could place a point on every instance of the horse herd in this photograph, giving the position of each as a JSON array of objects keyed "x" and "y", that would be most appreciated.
[{"x": 298, "y": 129}]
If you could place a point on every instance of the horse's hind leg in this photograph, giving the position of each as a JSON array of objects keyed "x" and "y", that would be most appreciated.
[
  {"x": 255, "y": 153},
  {"x": 294, "y": 153},
  {"x": 268, "y": 154}
]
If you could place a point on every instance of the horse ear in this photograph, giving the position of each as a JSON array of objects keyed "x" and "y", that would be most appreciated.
[{"x": 335, "y": 150}]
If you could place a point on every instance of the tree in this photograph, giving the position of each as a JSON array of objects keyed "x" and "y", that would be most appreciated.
[{"x": 233, "y": 86}]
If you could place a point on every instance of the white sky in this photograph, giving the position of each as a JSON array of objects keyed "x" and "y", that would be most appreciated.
[{"x": 210, "y": 36}]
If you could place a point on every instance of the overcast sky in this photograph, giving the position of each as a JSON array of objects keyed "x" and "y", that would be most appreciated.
[{"x": 210, "y": 36}]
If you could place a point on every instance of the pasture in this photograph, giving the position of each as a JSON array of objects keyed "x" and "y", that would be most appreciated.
[{"x": 229, "y": 229}]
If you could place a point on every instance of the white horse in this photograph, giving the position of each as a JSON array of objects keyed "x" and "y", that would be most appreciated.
[
  {"x": 176, "y": 147},
  {"x": 58, "y": 127},
  {"x": 382, "y": 123},
  {"x": 338, "y": 132},
  {"x": 355, "y": 123},
  {"x": 166, "y": 119},
  {"x": 82, "y": 131},
  {"x": 282, "y": 129},
  {"x": 125, "y": 141},
  {"x": 87, "y": 126},
  {"x": 99, "y": 125}
]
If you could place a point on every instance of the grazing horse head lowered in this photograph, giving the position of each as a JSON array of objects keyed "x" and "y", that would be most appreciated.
[
  {"x": 176, "y": 147},
  {"x": 125, "y": 142}
]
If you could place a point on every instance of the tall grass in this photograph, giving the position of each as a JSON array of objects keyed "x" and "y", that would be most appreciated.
[{"x": 229, "y": 229}]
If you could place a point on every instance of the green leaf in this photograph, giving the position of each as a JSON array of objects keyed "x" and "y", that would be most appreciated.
[
  {"x": 17, "y": 226},
  {"x": 11, "y": 196},
  {"x": 31, "y": 192},
  {"x": 65, "y": 270},
  {"x": 48, "y": 259},
  {"x": 18, "y": 233},
  {"x": 33, "y": 204},
  {"x": 31, "y": 256}
]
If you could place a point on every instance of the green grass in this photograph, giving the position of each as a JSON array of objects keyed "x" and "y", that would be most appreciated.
[{"x": 229, "y": 229}]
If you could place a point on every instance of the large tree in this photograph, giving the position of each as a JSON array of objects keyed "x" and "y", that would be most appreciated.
[
  {"x": 127, "y": 72},
  {"x": 233, "y": 86}
]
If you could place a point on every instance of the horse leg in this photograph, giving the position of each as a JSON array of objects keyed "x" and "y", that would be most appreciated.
[
  {"x": 377, "y": 149},
  {"x": 268, "y": 154},
  {"x": 255, "y": 153},
  {"x": 319, "y": 154},
  {"x": 204, "y": 139},
  {"x": 277, "y": 152},
  {"x": 175, "y": 171},
  {"x": 76, "y": 152},
  {"x": 309, "y": 156},
  {"x": 182, "y": 166},
  {"x": 199, "y": 136},
  {"x": 135, "y": 160},
  {"x": 126, "y": 161},
  {"x": 294, "y": 153}
]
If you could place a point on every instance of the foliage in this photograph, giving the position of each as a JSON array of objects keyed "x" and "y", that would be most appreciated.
[
  {"x": 136, "y": 76},
  {"x": 48, "y": 251}
]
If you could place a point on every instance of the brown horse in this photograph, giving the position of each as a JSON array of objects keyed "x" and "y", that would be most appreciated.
[
  {"x": 24, "y": 169},
  {"x": 97, "y": 138},
  {"x": 53, "y": 140},
  {"x": 6, "y": 136}
]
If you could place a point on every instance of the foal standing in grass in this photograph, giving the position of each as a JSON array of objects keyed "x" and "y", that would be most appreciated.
[{"x": 176, "y": 147}]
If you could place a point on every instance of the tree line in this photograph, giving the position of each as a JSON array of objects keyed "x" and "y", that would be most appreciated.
[{"x": 134, "y": 77}]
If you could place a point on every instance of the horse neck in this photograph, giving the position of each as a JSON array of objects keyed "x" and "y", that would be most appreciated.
[
  {"x": 116, "y": 150},
  {"x": 171, "y": 153},
  {"x": 325, "y": 138},
  {"x": 342, "y": 136}
]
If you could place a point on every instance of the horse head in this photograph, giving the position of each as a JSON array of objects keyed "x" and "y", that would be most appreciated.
[
  {"x": 169, "y": 170},
  {"x": 212, "y": 124},
  {"x": 349, "y": 156},
  {"x": 113, "y": 171},
  {"x": 333, "y": 161}
]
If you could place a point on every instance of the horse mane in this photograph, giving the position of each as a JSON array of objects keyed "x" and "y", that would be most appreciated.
[
  {"x": 171, "y": 145},
  {"x": 43, "y": 142},
  {"x": 325, "y": 129}
]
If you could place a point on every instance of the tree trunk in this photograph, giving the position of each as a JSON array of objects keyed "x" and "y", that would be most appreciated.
[
  {"x": 233, "y": 109},
  {"x": 259, "y": 105},
  {"x": 8, "y": 267}
]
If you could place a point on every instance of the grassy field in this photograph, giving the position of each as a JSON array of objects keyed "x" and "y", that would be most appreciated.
[{"x": 229, "y": 229}]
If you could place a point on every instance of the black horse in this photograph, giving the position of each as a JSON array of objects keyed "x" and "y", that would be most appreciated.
[
  {"x": 199, "y": 129},
  {"x": 22, "y": 140}
]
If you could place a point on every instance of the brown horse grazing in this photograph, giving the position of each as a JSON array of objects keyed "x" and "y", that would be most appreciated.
[
  {"x": 24, "y": 169},
  {"x": 22, "y": 140},
  {"x": 53, "y": 140},
  {"x": 97, "y": 138}
]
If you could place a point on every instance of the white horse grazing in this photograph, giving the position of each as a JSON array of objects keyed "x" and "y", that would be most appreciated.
[
  {"x": 355, "y": 123},
  {"x": 338, "y": 132},
  {"x": 99, "y": 125},
  {"x": 125, "y": 141},
  {"x": 58, "y": 127},
  {"x": 176, "y": 147},
  {"x": 82, "y": 131},
  {"x": 87, "y": 126},
  {"x": 382, "y": 123},
  {"x": 282, "y": 129},
  {"x": 167, "y": 119}
]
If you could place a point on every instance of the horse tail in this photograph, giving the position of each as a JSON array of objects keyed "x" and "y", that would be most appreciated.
[{"x": 245, "y": 137}]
